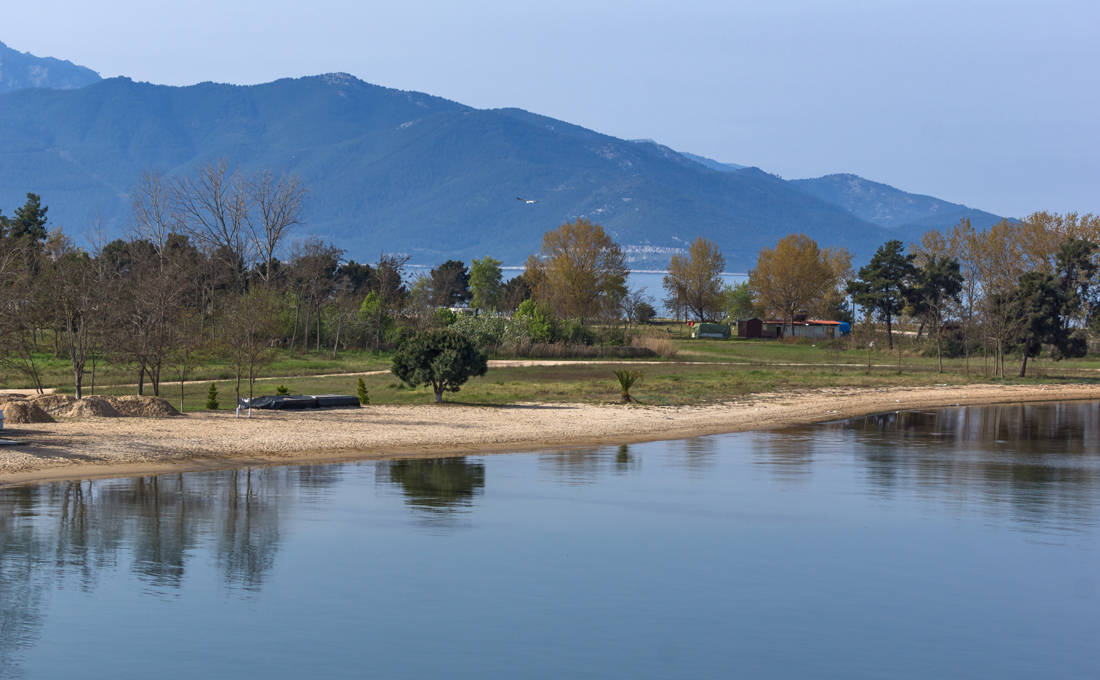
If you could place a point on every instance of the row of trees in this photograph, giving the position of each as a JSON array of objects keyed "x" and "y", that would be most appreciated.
[
  {"x": 1019, "y": 286},
  {"x": 209, "y": 268}
]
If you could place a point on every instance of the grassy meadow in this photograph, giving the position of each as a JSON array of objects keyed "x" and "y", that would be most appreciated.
[{"x": 700, "y": 372}]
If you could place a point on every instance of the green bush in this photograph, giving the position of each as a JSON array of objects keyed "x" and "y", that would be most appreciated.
[
  {"x": 282, "y": 389},
  {"x": 444, "y": 317},
  {"x": 536, "y": 321},
  {"x": 573, "y": 332},
  {"x": 443, "y": 359},
  {"x": 361, "y": 392},
  {"x": 615, "y": 336}
]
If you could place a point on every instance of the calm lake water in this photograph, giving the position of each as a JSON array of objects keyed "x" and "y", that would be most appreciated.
[{"x": 956, "y": 543}]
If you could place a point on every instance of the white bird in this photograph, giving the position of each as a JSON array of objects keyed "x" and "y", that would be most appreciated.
[{"x": 526, "y": 201}]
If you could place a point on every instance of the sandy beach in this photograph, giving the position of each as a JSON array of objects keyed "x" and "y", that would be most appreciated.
[{"x": 115, "y": 447}]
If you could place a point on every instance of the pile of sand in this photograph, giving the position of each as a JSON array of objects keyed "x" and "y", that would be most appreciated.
[
  {"x": 54, "y": 404},
  {"x": 5, "y": 397},
  {"x": 143, "y": 407},
  {"x": 17, "y": 412},
  {"x": 98, "y": 407}
]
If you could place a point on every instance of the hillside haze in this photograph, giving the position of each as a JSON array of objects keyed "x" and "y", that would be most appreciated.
[
  {"x": 396, "y": 171},
  {"x": 22, "y": 70}
]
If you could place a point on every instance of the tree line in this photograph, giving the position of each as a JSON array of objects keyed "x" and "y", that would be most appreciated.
[
  {"x": 210, "y": 268},
  {"x": 1019, "y": 287}
]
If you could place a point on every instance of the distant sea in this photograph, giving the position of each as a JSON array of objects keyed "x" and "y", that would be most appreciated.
[{"x": 646, "y": 280}]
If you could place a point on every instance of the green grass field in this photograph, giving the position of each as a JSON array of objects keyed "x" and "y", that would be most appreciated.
[{"x": 703, "y": 371}]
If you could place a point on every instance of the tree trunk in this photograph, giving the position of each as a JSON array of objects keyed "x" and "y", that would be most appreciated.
[
  {"x": 294, "y": 334},
  {"x": 1023, "y": 365},
  {"x": 336, "y": 340},
  {"x": 937, "y": 319},
  {"x": 966, "y": 347},
  {"x": 181, "y": 394},
  {"x": 378, "y": 328},
  {"x": 438, "y": 395},
  {"x": 305, "y": 331},
  {"x": 889, "y": 332},
  {"x": 939, "y": 349},
  {"x": 141, "y": 380}
]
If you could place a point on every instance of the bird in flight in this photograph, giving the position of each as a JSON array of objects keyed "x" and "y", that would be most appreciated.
[{"x": 526, "y": 201}]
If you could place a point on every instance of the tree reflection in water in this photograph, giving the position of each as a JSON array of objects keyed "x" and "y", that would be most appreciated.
[
  {"x": 440, "y": 486},
  {"x": 587, "y": 465},
  {"x": 71, "y": 531},
  {"x": 1040, "y": 459}
]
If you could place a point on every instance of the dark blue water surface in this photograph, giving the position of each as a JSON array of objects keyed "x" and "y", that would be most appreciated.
[{"x": 948, "y": 544}]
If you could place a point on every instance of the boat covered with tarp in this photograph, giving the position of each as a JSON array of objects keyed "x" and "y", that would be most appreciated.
[{"x": 298, "y": 402}]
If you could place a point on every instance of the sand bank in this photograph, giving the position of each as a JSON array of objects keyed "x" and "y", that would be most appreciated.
[{"x": 116, "y": 447}]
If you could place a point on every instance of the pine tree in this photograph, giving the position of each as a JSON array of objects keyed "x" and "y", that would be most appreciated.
[
  {"x": 885, "y": 283},
  {"x": 212, "y": 397}
]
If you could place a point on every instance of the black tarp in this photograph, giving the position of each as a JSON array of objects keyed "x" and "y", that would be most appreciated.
[
  {"x": 295, "y": 402},
  {"x": 337, "y": 401}
]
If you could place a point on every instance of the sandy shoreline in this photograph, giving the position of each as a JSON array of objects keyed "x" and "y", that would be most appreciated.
[{"x": 119, "y": 447}]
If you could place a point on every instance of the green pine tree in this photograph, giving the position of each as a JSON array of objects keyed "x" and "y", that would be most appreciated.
[{"x": 212, "y": 397}]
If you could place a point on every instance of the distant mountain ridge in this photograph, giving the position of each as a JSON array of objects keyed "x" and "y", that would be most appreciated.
[
  {"x": 711, "y": 163},
  {"x": 890, "y": 207},
  {"x": 397, "y": 171},
  {"x": 21, "y": 70}
]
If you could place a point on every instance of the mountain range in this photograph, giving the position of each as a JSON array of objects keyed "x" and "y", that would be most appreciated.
[
  {"x": 20, "y": 70},
  {"x": 397, "y": 171}
]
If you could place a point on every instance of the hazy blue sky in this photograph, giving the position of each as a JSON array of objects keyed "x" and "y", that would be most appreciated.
[{"x": 991, "y": 103}]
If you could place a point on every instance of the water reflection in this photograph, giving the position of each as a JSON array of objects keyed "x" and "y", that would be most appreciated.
[
  {"x": 1039, "y": 461},
  {"x": 439, "y": 486},
  {"x": 789, "y": 457},
  {"x": 585, "y": 466},
  {"x": 990, "y": 471},
  {"x": 699, "y": 454}
]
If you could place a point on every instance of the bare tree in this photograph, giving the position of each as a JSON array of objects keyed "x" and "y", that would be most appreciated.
[
  {"x": 695, "y": 280},
  {"x": 314, "y": 266},
  {"x": 213, "y": 207},
  {"x": 278, "y": 207},
  {"x": 155, "y": 215},
  {"x": 390, "y": 289},
  {"x": 23, "y": 308},
  {"x": 76, "y": 293},
  {"x": 187, "y": 344},
  {"x": 250, "y": 332}
]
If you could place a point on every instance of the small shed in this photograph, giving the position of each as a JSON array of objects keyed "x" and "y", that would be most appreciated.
[
  {"x": 812, "y": 329},
  {"x": 750, "y": 328}
]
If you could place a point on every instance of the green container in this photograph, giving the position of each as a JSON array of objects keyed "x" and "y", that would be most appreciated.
[{"x": 711, "y": 330}]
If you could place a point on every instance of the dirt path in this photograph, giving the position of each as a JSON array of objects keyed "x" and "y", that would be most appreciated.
[{"x": 78, "y": 449}]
